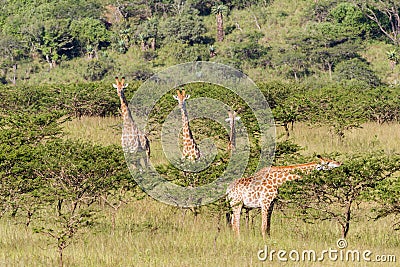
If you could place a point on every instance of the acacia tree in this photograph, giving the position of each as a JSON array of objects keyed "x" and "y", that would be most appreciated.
[
  {"x": 326, "y": 45},
  {"x": 186, "y": 28},
  {"x": 386, "y": 194},
  {"x": 334, "y": 195},
  {"x": 56, "y": 40},
  {"x": 22, "y": 138},
  {"x": 338, "y": 109},
  {"x": 40, "y": 171},
  {"x": 287, "y": 114},
  {"x": 74, "y": 175}
]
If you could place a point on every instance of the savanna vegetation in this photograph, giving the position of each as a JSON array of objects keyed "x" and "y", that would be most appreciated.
[{"x": 328, "y": 69}]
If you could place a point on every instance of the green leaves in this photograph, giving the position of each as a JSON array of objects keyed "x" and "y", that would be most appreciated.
[
  {"x": 41, "y": 171},
  {"x": 89, "y": 31},
  {"x": 332, "y": 194}
]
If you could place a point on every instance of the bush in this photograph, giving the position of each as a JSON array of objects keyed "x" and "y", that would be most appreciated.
[
  {"x": 358, "y": 70},
  {"x": 97, "y": 69}
]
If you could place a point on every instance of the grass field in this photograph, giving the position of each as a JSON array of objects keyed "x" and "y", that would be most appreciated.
[
  {"x": 370, "y": 137},
  {"x": 150, "y": 233}
]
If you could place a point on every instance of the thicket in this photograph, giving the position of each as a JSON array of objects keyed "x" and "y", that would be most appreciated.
[{"x": 340, "y": 106}]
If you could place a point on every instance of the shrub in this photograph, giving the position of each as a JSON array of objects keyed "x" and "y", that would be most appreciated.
[{"x": 356, "y": 69}]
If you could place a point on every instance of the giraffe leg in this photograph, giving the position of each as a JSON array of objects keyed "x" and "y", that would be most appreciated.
[
  {"x": 270, "y": 209},
  {"x": 247, "y": 215},
  {"x": 264, "y": 216},
  {"x": 147, "y": 151},
  {"x": 236, "y": 218},
  {"x": 228, "y": 216}
]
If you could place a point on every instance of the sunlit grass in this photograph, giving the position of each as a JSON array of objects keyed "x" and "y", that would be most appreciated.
[
  {"x": 99, "y": 130},
  {"x": 371, "y": 137},
  {"x": 106, "y": 131},
  {"x": 150, "y": 233}
]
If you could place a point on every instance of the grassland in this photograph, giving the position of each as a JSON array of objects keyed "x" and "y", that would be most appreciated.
[
  {"x": 150, "y": 233},
  {"x": 370, "y": 137}
]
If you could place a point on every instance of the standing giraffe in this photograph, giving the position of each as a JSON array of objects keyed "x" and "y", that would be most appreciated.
[
  {"x": 190, "y": 149},
  {"x": 232, "y": 118},
  {"x": 260, "y": 190},
  {"x": 133, "y": 140},
  {"x": 232, "y": 134}
]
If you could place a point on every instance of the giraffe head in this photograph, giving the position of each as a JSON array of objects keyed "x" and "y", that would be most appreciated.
[
  {"x": 232, "y": 116},
  {"x": 120, "y": 85},
  {"x": 181, "y": 97},
  {"x": 327, "y": 164}
]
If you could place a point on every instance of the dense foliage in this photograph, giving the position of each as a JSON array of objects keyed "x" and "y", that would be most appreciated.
[{"x": 36, "y": 34}]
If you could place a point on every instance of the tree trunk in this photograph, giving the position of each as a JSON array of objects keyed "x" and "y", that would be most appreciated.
[
  {"x": 60, "y": 256},
  {"x": 330, "y": 70},
  {"x": 346, "y": 225},
  {"x": 14, "y": 79},
  {"x": 143, "y": 46},
  {"x": 220, "y": 27},
  {"x": 256, "y": 21},
  {"x": 286, "y": 126}
]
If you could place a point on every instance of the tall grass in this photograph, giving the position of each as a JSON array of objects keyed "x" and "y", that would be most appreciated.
[
  {"x": 370, "y": 137},
  {"x": 150, "y": 233},
  {"x": 106, "y": 131}
]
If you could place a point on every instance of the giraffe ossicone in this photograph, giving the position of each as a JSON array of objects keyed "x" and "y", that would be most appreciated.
[{"x": 261, "y": 189}]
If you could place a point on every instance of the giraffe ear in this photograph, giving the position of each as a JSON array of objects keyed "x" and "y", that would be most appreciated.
[
  {"x": 187, "y": 96},
  {"x": 237, "y": 118},
  {"x": 176, "y": 97},
  {"x": 115, "y": 86},
  {"x": 126, "y": 85},
  {"x": 228, "y": 119}
]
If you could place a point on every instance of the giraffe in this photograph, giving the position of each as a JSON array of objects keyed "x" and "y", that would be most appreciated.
[
  {"x": 232, "y": 134},
  {"x": 261, "y": 189},
  {"x": 190, "y": 149},
  {"x": 232, "y": 118},
  {"x": 132, "y": 138}
]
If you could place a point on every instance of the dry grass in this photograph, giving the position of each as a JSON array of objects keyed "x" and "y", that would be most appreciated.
[
  {"x": 150, "y": 233},
  {"x": 370, "y": 137}
]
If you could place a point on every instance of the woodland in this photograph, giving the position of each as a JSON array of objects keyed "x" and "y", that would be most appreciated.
[{"x": 329, "y": 71}]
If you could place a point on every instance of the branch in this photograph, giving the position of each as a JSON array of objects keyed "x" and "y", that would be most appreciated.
[{"x": 374, "y": 18}]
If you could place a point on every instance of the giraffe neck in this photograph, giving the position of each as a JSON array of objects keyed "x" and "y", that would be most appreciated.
[
  {"x": 126, "y": 113},
  {"x": 232, "y": 136},
  {"x": 190, "y": 148},
  {"x": 290, "y": 173}
]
